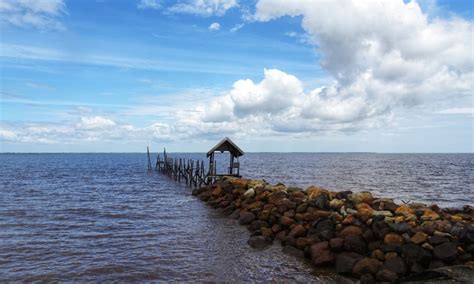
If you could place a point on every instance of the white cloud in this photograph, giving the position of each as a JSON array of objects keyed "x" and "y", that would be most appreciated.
[
  {"x": 214, "y": 27},
  {"x": 7, "y": 135},
  {"x": 41, "y": 14},
  {"x": 205, "y": 8},
  {"x": 237, "y": 27},
  {"x": 383, "y": 56},
  {"x": 95, "y": 122},
  {"x": 149, "y": 4}
]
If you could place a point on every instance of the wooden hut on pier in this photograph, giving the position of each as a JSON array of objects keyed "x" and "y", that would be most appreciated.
[{"x": 225, "y": 145}]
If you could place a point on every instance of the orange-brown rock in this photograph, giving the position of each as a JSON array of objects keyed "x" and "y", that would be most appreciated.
[
  {"x": 255, "y": 205},
  {"x": 314, "y": 192},
  {"x": 287, "y": 221},
  {"x": 378, "y": 254},
  {"x": 429, "y": 215},
  {"x": 240, "y": 183},
  {"x": 217, "y": 191},
  {"x": 407, "y": 213},
  {"x": 419, "y": 238},
  {"x": 350, "y": 231},
  {"x": 301, "y": 243},
  {"x": 392, "y": 238},
  {"x": 348, "y": 220},
  {"x": 362, "y": 197},
  {"x": 297, "y": 231},
  {"x": 364, "y": 211}
]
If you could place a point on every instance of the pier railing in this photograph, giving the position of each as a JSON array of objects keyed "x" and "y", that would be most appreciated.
[{"x": 190, "y": 171}]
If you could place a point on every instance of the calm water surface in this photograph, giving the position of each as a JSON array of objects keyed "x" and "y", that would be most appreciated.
[{"x": 101, "y": 217}]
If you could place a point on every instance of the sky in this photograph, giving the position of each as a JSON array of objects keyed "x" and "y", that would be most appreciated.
[{"x": 273, "y": 75}]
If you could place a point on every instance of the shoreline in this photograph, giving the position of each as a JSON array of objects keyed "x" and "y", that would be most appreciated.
[{"x": 354, "y": 233}]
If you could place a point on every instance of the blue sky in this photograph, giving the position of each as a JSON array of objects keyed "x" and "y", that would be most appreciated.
[{"x": 95, "y": 76}]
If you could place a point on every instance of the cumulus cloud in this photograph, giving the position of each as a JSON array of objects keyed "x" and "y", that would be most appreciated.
[
  {"x": 205, "y": 8},
  {"x": 95, "y": 122},
  {"x": 149, "y": 4},
  {"x": 214, "y": 27},
  {"x": 41, "y": 14},
  {"x": 384, "y": 56}
]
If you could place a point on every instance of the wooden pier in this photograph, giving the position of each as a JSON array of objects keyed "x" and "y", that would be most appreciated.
[{"x": 193, "y": 172}]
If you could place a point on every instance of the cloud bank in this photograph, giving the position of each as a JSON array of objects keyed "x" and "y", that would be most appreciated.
[{"x": 383, "y": 58}]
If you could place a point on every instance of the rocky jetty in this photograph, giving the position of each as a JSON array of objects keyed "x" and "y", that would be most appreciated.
[{"x": 359, "y": 235}]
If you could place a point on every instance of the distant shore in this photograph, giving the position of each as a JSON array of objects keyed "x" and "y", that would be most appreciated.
[{"x": 357, "y": 234}]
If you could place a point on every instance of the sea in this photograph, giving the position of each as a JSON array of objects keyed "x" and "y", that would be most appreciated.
[{"x": 104, "y": 217}]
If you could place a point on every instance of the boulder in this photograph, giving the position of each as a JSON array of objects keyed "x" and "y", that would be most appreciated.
[
  {"x": 326, "y": 257},
  {"x": 336, "y": 244},
  {"x": 392, "y": 238},
  {"x": 365, "y": 265},
  {"x": 429, "y": 215},
  {"x": 399, "y": 228},
  {"x": 250, "y": 193},
  {"x": 321, "y": 201},
  {"x": 246, "y": 217},
  {"x": 297, "y": 231},
  {"x": 314, "y": 192},
  {"x": 345, "y": 261},
  {"x": 407, "y": 213},
  {"x": 382, "y": 213},
  {"x": 355, "y": 244},
  {"x": 301, "y": 243},
  {"x": 361, "y": 197},
  {"x": 386, "y": 275},
  {"x": 343, "y": 194},
  {"x": 286, "y": 221},
  {"x": 240, "y": 183},
  {"x": 377, "y": 254},
  {"x": 317, "y": 248},
  {"x": 275, "y": 197},
  {"x": 364, "y": 211},
  {"x": 290, "y": 250},
  {"x": 266, "y": 232},
  {"x": 322, "y": 228},
  {"x": 350, "y": 230},
  {"x": 419, "y": 238},
  {"x": 367, "y": 279},
  {"x": 216, "y": 191},
  {"x": 447, "y": 252},
  {"x": 259, "y": 241},
  {"x": 302, "y": 208},
  {"x": 413, "y": 254},
  {"x": 336, "y": 203},
  {"x": 395, "y": 264},
  {"x": 281, "y": 235}
]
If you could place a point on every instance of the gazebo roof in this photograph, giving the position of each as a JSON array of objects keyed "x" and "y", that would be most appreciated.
[{"x": 226, "y": 145}]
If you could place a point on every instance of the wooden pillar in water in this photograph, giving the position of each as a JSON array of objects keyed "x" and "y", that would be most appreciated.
[{"x": 149, "y": 159}]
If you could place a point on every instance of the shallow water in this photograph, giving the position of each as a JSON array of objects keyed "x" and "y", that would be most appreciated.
[{"x": 101, "y": 217}]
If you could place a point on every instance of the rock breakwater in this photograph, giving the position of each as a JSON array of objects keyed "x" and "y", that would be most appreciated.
[{"x": 359, "y": 235}]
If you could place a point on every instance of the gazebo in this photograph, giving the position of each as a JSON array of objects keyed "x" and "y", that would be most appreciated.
[{"x": 225, "y": 145}]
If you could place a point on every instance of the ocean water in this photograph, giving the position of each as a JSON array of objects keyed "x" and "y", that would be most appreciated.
[{"x": 102, "y": 217}]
